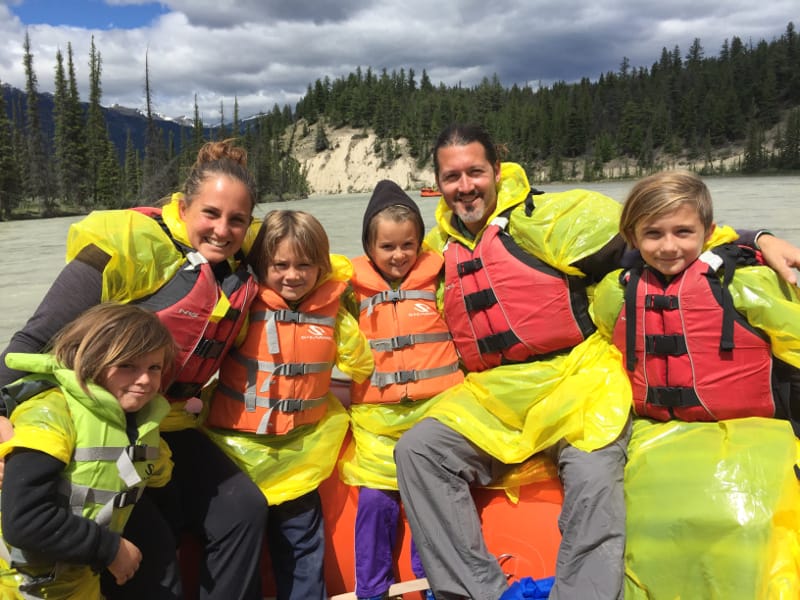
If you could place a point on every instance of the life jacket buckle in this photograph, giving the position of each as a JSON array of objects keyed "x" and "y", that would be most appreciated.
[
  {"x": 137, "y": 453},
  {"x": 470, "y": 266},
  {"x": 402, "y": 377},
  {"x": 391, "y": 296},
  {"x": 402, "y": 341},
  {"x": 127, "y": 498}
]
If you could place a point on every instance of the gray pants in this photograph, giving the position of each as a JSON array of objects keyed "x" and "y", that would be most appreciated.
[{"x": 436, "y": 466}]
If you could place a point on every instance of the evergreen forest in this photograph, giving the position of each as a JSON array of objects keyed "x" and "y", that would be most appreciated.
[{"x": 686, "y": 104}]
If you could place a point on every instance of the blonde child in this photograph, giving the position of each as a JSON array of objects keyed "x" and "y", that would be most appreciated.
[
  {"x": 395, "y": 288},
  {"x": 272, "y": 410},
  {"x": 84, "y": 447},
  {"x": 707, "y": 335}
]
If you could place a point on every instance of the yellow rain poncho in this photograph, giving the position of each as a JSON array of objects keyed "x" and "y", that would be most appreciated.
[
  {"x": 514, "y": 411},
  {"x": 142, "y": 258},
  {"x": 369, "y": 460},
  {"x": 713, "y": 509},
  {"x": 288, "y": 466}
]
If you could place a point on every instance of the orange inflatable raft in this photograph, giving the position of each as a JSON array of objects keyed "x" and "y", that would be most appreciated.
[{"x": 524, "y": 536}]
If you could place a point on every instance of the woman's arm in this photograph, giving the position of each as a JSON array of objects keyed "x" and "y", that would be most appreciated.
[{"x": 77, "y": 287}]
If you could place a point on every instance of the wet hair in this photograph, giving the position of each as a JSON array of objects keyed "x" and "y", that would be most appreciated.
[
  {"x": 110, "y": 334},
  {"x": 461, "y": 134},
  {"x": 398, "y": 213},
  {"x": 219, "y": 158},
  {"x": 661, "y": 194},
  {"x": 306, "y": 237}
]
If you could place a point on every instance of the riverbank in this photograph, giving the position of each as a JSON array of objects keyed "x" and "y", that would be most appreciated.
[{"x": 350, "y": 164}]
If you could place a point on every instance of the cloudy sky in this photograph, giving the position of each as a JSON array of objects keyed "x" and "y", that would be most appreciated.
[{"x": 263, "y": 52}]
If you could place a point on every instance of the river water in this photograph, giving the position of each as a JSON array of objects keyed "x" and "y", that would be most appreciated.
[{"x": 33, "y": 251}]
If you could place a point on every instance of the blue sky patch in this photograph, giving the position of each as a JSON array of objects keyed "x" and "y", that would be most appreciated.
[{"x": 88, "y": 14}]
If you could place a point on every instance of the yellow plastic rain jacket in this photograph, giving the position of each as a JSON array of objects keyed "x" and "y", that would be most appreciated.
[
  {"x": 142, "y": 259},
  {"x": 288, "y": 466},
  {"x": 713, "y": 509},
  {"x": 87, "y": 432},
  {"x": 513, "y": 411}
]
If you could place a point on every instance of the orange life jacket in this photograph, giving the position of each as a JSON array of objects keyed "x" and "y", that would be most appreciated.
[
  {"x": 279, "y": 378},
  {"x": 689, "y": 353},
  {"x": 415, "y": 358}
]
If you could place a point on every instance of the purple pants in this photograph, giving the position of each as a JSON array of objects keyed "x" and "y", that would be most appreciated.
[{"x": 377, "y": 522}]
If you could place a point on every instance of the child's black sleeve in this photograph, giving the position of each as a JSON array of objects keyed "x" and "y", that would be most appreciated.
[{"x": 35, "y": 521}]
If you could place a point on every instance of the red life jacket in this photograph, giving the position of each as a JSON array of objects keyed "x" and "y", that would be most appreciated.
[
  {"x": 185, "y": 304},
  {"x": 689, "y": 353},
  {"x": 415, "y": 358},
  {"x": 280, "y": 376},
  {"x": 504, "y": 305}
]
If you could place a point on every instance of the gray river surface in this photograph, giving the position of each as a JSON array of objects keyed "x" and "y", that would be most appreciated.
[{"x": 33, "y": 251}]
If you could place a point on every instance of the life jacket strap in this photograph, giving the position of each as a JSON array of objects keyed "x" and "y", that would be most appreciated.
[
  {"x": 384, "y": 296},
  {"x": 137, "y": 453},
  {"x": 665, "y": 345},
  {"x": 81, "y": 495},
  {"x": 480, "y": 300},
  {"x": 497, "y": 342},
  {"x": 208, "y": 348},
  {"x": 273, "y": 317},
  {"x": 286, "y": 405},
  {"x": 661, "y": 302},
  {"x": 672, "y": 397},
  {"x": 402, "y": 377},
  {"x": 403, "y": 341}
]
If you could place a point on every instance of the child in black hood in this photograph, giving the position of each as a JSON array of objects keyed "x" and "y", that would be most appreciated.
[{"x": 395, "y": 287}]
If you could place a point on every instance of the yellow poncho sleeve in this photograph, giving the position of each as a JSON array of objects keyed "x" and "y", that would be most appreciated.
[
  {"x": 141, "y": 256},
  {"x": 565, "y": 227},
  {"x": 43, "y": 424}
]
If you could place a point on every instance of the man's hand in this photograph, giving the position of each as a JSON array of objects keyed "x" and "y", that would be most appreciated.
[{"x": 782, "y": 256}]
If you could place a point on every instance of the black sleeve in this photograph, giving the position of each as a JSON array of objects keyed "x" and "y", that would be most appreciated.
[
  {"x": 78, "y": 287},
  {"x": 34, "y": 520},
  {"x": 747, "y": 237},
  {"x": 602, "y": 262},
  {"x": 786, "y": 380}
]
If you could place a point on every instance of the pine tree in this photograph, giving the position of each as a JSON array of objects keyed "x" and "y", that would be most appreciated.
[
  {"x": 155, "y": 177},
  {"x": 37, "y": 177},
  {"x": 9, "y": 176},
  {"x": 96, "y": 132},
  {"x": 109, "y": 185},
  {"x": 75, "y": 139},
  {"x": 130, "y": 173}
]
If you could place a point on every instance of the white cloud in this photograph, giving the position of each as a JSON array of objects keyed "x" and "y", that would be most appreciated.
[{"x": 267, "y": 52}]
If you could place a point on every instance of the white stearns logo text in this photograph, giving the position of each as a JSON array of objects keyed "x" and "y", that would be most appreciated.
[
  {"x": 315, "y": 332},
  {"x": 420, "y": 310}
]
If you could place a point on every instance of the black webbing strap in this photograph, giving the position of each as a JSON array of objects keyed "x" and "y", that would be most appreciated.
[{"x": 672, "y": 397}]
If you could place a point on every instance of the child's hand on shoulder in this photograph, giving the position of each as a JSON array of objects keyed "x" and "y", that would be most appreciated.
[{"x": 126, "y": 562}]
